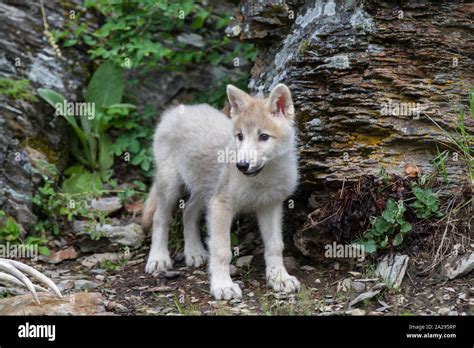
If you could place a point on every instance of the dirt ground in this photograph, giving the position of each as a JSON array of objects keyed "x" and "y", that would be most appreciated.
[{"x": 327, "y": 289}]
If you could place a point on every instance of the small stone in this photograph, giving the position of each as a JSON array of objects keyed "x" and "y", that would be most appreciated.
[
  {"x": 162, "y": 288},
  {"x": 358, "y": 286},
  {"x": 307, "y": 268},
  {"x": 91, "y": 261},
  {"x": 171, "y": 274},
  {"x": 459, "y": 265},
  {"x": 453, "y": 313},
  {"x": 99, "y": 277},
  {"x": 234, "y": 271},
  {"x": 117, "y": 307},
  {"x": 251, "y": 294},
  {"x": 179, "y": 257},
  {"x": 317, "y": 281},
  {"x": 327, "y": 309},
  {"x": 244, "y": 261},
  {"x": 336, "y": 266},
  {"x": 355, "y": 274},
  {"x": 107, "y": 205},
  {"x": 443, "y": 311},
  {"x": 446, "y": 297},
  {"x": 255, "y": 283},
  {"x": 84, "y": 285},
  {"x": 392, "y": 269},
  {"x": 113, "y": 236},
  {"x": 62, "y": 255},
  {"x": 356, "y": 312},
  {"x": 290, "y": 263},
  {"x": 65, "y": 285}
]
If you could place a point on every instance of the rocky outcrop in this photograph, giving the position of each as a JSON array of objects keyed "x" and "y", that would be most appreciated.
[
  {"x": 81, "y": 303},
  {"x": 28, "y": 129},
  {"x": 359, "y": 72}
]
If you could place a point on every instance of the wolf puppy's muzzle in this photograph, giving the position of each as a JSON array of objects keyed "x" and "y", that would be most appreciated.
[{"x": 244, "y": 166}]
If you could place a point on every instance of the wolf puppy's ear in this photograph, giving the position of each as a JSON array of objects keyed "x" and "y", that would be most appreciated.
[
  {"x": 238, "y": 99},
  {"x": 281, "y": 102}
]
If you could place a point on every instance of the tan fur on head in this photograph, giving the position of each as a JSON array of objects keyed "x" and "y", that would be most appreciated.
[
  {"x": 257, "y": 111},
  {"x": 278, "y": 103}
]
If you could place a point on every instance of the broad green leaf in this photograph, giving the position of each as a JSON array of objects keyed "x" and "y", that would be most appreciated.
[
  {"x": 405, "y": 227},
  {"x": 53, "y": 98},
  {"x": 384, "y": 243},
  {"x": 106, "y": 159},
  {"x": 122, "y": 105},
  {"x": 397, "y": 240},
  {"x": 106, "y": 86},
  {"x": 381, "y": 225},
  {"x": 389, "y": 215},
  {"x": 43, "y": 250},
  {"x": 81, "y": 183},
  {"x": 75, "y": 169},
  {"x": 368, "y": 246}
]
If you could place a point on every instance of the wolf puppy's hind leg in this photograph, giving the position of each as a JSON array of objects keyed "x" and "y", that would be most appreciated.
[
  {"x": 194, "y": 252},
  {"x": 168, "y": 191},
  {"x": 269, "y": 219}
]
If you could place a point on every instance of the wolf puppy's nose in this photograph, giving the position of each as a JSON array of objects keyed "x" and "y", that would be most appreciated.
[{"x": 242, "y": 166}]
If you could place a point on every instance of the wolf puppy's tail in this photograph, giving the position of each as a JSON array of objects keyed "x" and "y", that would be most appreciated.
[{"x": 150, "y": 206}]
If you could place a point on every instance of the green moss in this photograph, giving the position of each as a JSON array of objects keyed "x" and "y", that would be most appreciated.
[
  {"x": 16, "y": 89},
  {"x": 304, "y": 47},
  {"x": 42, "y": 146},
  {"x": 302, "y": 118}
]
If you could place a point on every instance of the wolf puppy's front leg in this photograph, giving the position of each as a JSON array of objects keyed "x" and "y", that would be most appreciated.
[
  {"x": 220, "y": 221},
  {"x": 269, "y": 219}
]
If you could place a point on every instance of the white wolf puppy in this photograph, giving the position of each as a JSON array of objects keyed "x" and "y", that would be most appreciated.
[{"x": 188, "y": 146}]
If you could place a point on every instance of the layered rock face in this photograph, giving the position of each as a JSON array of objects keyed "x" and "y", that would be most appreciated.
[
  {"x": 368, "y": 79},
  {"x": 28, "y": 130}
]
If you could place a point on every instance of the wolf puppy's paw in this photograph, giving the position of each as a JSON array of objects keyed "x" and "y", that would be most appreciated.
[
  {"x": 195, "y": 258},
  {"x": 158, "y": 263},
  {"x": 281, "y": 281},
  {"x": 226, "y": 291}
]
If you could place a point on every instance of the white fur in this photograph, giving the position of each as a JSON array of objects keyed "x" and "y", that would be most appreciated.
[{"x": 186, "y": 146}]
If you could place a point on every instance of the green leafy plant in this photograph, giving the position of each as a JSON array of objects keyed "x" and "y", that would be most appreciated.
[
  {"x": 156, "y": 35},
  {"x": 9, "y": 229},
  {"x": 54, "y": 207},
  {"x": 391, "y": 226},
  {"x": 462, "y": 141},
  {"x": 426, "y": 203},
  {"x": 17, "y": 89},
  {"x": 136, "y": 132},
  {"x": 91, "y": 143},
  {"x": 143, "y": 34},
  {"x": 10, "y": 232},
  {"x": 440, "y": 163}
]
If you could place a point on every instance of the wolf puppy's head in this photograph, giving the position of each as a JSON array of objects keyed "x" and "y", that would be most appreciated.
[{"x": 263, "y": 127}]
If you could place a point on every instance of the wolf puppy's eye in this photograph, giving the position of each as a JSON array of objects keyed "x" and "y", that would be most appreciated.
[
  {"x": 240, "y": 136},
  {"x": 263, "y": 137}
]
